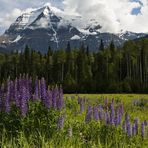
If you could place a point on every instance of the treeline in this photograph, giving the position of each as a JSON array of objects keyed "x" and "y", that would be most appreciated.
[{"x": 108, "y": 70}]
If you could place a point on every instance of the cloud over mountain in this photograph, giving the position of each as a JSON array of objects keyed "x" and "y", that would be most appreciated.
[{"x": 113, "y": 15}]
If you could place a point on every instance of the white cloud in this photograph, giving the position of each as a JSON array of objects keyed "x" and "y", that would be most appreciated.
[
  {"x": 8, "y": 18},
  {"x": 113, "y": 15}
]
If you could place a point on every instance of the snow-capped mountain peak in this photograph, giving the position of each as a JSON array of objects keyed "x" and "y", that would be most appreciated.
[
  {"x": 28, "y": 18},
  {"x": 49, "y": 25}
]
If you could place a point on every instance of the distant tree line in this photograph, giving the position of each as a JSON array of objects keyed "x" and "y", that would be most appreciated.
[{"x": 108, "y": 70}]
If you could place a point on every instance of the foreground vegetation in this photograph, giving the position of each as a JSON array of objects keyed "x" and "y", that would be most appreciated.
[
  {"x": 34, "y": 115},
  {"x": 108, "y": 70}
]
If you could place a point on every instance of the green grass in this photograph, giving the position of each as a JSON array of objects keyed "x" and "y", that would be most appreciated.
[
  {"x": 39, "y": 127},
  {"x": 127, "y": 99}
]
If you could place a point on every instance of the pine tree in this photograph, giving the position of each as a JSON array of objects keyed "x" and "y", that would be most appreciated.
[{"x": 101, "y": 48}]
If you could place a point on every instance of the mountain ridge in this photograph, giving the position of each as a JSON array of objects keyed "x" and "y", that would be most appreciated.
[{"x": 51, "y": 26}]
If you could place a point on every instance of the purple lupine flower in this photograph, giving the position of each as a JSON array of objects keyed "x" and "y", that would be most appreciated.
[
  {"x": 133, "y": 130},
  {"x": 136, "y": 122},
  {"x": 118, "y": 117},
  {"x": 106, "y": 102},
  {"x": 27, "y": 85},
  {"x": 43, "y": 90},
  {"x": 127, "y": 118},
  {"x": 112, "y": 119},
  {"x": 112, "y": 114},
  {"x": 61, "y": 122},
  {"x": 30, "y": 89},
  {"x": 60, "y": 100},
  {"x": 112, "y": 110},
  {"x": 48, "y": 101},
  {"x": 88, "y": 114},
  {"x": 128, "y": 125},
  {"x": 19, "y": 84},
  {"x": 39, "y": 83},
  {"x": 24, "y": 106},
  {"x": 124, "y": 126},
  {"x": 0, "y": 100},
  {"x": 2, "y": 95},
  {"x": 129, "y": 130},
  {"x": 107, "y": 117},
  {"x": 54, "y": 97},
  {"x": 96, "y": 113},
  {"x": 142, "y": 130},
  {"x": 11, "y": 90},
  {"x": 16, "y": 99},
  {"x": 36, "y": 95},
  {"x": 7, "y": 102},
  {"x": 82, "y": 105},
  {"x": 101, "y": 112},
  {"x": 8, "y": 96}
]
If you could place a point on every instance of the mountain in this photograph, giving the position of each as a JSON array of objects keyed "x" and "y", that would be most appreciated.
[{"x": 51, "y": 26}]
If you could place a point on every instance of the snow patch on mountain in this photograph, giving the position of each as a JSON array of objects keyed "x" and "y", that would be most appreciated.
[
  {"x": 75, "y": 37},
  {"x": 17, "y": 39}
]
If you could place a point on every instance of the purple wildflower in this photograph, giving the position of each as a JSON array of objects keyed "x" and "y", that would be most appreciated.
[
  {"x": 1, "y": 96},
  {"x": 7, "y": 102},
  {"x": 127, "y": 118},
  {"x": 96, "y": 113},
  {"x": 136, "y": 122},
  {"x": 36, "y": 96},
  {"x": 48, "y": 101},
  {"x": 12, "y": 90},
  {"x": 129, "y": 130},
  {"x": 118, "y": 117},
  {"x": 60, "y": 100},
  {"x": 61, "y": 122},
  {"x": 82, "y": 105},
  {"x": 107, "y": 117},
  {"x": 43, "y": 90},
  {"x": 124, "y": 127},
  {"x": 54, "y": 97},
  {"x": 16, "y": 99},
  {"x": 24, "y": 107},
  {"x": 106, "y": 102},
  {"x": 142, "y": 130},
  {"x": 101, "y": 112},
  {"x": 133, "y": 130},
  {"x": 112, "y": 119},
  {"x": 88, "y": 114}
]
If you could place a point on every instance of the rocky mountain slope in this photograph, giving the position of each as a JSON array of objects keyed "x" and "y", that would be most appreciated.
[{"x": 51, "y": 26}]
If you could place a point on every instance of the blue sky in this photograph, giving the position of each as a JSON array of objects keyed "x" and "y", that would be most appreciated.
[{"x": 134, "y": 10}]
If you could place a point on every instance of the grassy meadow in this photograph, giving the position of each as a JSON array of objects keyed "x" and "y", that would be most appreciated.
[
  {"x": 77, "y": 124},
  {"x": 127, "y": 99}
]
